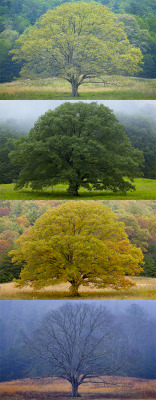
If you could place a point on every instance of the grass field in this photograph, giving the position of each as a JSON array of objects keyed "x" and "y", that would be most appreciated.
[
  {"x": 145, "y": 289},
  {"x": 111, "y": 88},
  {"x": 145, "y": 190},
  {"x": 47, "y": 389}
]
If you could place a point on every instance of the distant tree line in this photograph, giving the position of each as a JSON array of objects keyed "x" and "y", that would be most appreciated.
[
  {"x": 132, "y": 333},
  {"x": 17, "y": 217},
  {"x": 17, "y": 17},
  {"x": 141, "y": 131}
]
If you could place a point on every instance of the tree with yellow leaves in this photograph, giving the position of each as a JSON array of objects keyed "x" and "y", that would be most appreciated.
[{"x": 79, "y": 242}]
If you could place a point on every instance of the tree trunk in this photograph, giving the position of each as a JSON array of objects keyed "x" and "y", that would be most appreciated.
[
  {"x": 74, "y": 288},
  {"x": 74, "y": 88},
  {"x": 73, "y": 188},
  {"x": 75, "y": 387}
]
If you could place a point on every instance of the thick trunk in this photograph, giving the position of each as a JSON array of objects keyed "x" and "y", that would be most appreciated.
[
  {"x": 75, "y": 387},
  {"x": 74, "y": 289},
  {"x": 73, "y": 188},
  {"x": 74, "y": 88}
]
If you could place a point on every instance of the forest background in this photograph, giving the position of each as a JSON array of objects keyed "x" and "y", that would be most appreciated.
[
  {"x": 17, "y": 217},
  {"x": 139, "y": 120},
  {"x": 138, "y": 17}
]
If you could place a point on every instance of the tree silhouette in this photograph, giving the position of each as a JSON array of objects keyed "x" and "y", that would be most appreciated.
[{"x": 78, "y": 343}]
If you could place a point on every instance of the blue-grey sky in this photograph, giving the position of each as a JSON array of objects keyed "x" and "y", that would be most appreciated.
[{"x": 116, "y": 306}]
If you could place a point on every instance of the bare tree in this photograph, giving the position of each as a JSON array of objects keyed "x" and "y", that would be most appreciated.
[{"x": 79, "y": 342}]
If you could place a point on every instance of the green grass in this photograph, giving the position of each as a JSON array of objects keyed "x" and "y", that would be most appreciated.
[
  {"x": 113, "y": 88},
  {"x": 112, "y": 95},
  {"x": 145, "y": 190}
]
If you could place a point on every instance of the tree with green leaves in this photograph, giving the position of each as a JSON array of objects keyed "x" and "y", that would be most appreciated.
[
  {"x": 77, "y": 41},
  {"x": 79, "y": 143},
  {"x": 80, "y": 243},
  {"x": 137, "y": 37}
]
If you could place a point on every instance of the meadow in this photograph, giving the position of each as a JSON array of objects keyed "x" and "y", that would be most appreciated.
[
  {"x": 108, "y": 88},
  {"x": 47, "y": 389},
  {"x": 145, "y": 289},
  {"x": 145, "y": 190}
]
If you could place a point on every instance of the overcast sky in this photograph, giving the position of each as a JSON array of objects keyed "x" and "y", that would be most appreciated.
[
  {"x": 116, "y": 306},
  {"x": 32, "y": 109}
]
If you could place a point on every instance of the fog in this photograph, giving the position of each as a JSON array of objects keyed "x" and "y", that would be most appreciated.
[
  {"x": 28, "y": 111},
  {"x": 133, "y": 329},
  {"x": 116, "y": 306}
]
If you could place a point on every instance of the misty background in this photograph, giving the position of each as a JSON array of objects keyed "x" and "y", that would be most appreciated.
[
  {"x": 24, "y": 113},
  {"x": 18, "y": 319},
  {"x": 19, "y": 116}
]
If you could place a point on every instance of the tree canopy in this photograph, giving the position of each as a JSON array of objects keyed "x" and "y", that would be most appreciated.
[
  {"x": 78, "y": 242},
  {"x": 17, "y": 217},
  {"x": 79, "y": 143},
  {"x": 80, "y": 342},
  {"x": 136, "y": 335},
  {"x": 22, "y": 14},
  {"x": 77, "y": 41}
]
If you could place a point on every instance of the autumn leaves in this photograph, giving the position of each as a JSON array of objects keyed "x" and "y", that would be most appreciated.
[{"x": 79, "y": 242}]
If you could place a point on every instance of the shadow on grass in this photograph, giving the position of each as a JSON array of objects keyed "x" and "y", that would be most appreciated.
[
  {"x": 145, "y": 294},
  {"x": 36, "y": 395},
  {"x": 145, "y": 190}
]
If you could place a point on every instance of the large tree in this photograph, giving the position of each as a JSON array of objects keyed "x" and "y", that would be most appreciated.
[
  {"x": 79, "y": 143},
  {"x": 78, "y": 242},
  {"x": 77, "y": 41},
  {"x": 80, "y": 343}
]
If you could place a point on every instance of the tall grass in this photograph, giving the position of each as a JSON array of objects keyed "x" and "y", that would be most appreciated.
[
  {"x": 145, "y": 190},
  {"x": 145, "y": 289},
  {"x": 48, "y": 388},
  {"x": 116, "y": 87}
]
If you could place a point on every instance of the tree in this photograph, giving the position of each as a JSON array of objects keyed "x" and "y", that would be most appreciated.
[
  {"x": 140, "y": 130},
  {"x": 77, "y": 41},
  {"x": 8, "y": 68},
  {"x": 78, "y": 242},
  {"x": 136, "y": 36},
  {"x": 81, "y": 144},
  {"x": 79, "y": 342}
]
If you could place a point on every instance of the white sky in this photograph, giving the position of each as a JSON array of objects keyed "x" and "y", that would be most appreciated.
[{"x": 32, "y": 109}]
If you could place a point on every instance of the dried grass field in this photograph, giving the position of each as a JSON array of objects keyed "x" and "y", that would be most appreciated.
[
  {"x": 145, "y": 289},
  {"x": 47, "y": 388},
  {"x": 107, "y": 87}
]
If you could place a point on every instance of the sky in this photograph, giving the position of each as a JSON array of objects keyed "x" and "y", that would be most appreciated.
[{"x": 30, "y": 110}]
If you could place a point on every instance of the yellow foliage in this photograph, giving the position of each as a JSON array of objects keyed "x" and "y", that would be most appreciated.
[{"x": 79, "y": 242}]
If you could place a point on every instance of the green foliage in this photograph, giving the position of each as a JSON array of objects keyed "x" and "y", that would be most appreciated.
[
  {"x": 18, "y": 15},
  {"x": 137, "y": 37},
  {"x": 77, "y": 41},
  {"x": 149, "y": 268},
  {"x": 7, "y": 67},
  {"x": 141, "y": 132},
  {"x": 8, "y": 139},
  {"x": 79, "y": 143},
  {"x": 8, "y": 270}
]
